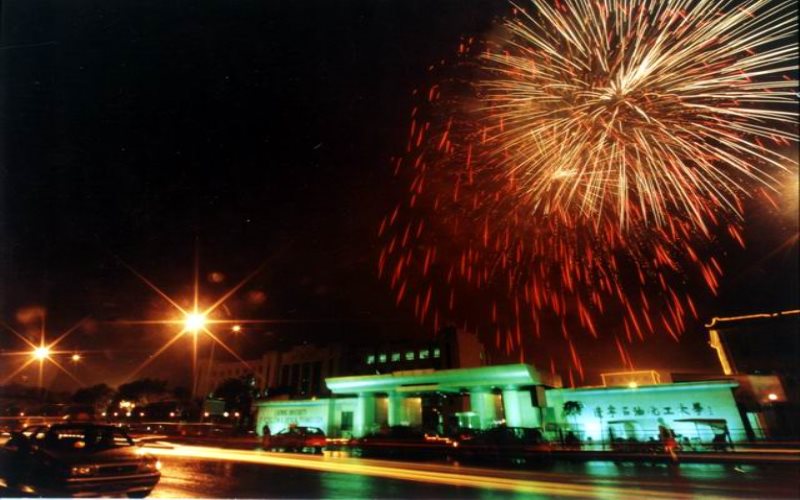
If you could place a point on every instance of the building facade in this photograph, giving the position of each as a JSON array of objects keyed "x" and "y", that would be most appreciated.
[
  {"x": 761, "y": 352},
  {"x": 450, "y": 349},
  {"x": 296, "y": 372},
  {"x": 300, "y": 372},
  {"x": 441, "y": 401}
]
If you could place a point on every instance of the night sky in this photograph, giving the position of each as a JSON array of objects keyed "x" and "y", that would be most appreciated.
[{"x": 257, "y": 132}]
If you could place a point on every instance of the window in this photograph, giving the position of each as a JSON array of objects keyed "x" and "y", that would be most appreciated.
[
  {"x": 410, "y": 356},
  {"x": 316, "y": 379},
  {"x": 437, "y": 353},
  {"x": 424, "y": 354},
  {"x": 382, "y": 358},
  {"x": 86, "y": 438},
  {"x": 395, "y": 356},
  {"x": 371, "y": 359},
  {"x": 295, "y": 376},
  {"x": 305, "y": 378}
]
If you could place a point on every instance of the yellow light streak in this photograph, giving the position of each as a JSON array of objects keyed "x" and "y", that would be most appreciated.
[{"x": 426, "y": 473}]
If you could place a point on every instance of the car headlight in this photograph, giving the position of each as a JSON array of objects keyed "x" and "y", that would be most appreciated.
[
  {"x": 83, "y": 470},
  {"x": 152, "y": 465}
]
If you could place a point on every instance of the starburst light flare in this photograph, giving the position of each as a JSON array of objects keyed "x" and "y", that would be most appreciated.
[
  {"x": 197, "y": 320},
  {"x": 42, "y": 353}
]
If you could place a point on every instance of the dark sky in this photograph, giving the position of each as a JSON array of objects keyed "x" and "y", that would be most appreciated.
[{"x": 262, "y": 130}]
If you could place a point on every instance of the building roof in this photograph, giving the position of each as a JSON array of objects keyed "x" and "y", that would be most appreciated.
[
  {"x": 717, "y": 321},
  {"x": 678, "y": 386},
  {"x": 501, "y": 376}
]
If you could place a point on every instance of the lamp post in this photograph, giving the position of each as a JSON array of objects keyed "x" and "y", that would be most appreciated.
[
  {"x": 40, "y": 354},
  {"x": 193, "y": 323}
]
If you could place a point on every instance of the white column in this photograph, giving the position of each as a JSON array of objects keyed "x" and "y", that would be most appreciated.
[
  {"x": 512, "y": 407},
  {"x": 482, "y": 402},
  {"x": 331, "y": 427},
  {"x": 397, "y": 410},
  {"x": 365, "y": 414}
]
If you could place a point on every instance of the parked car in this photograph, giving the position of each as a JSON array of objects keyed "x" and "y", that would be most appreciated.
[
  {"x": 506, "y": 443},
  {"x": 74, "y": 459},
  {"x": 296, "y": 438},
  {"x": 404, "y": 441}
]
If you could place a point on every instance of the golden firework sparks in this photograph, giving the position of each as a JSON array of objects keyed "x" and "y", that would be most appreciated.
[
  {"x": 585, "y": 163},
  {"x": 671, "y": 106}
]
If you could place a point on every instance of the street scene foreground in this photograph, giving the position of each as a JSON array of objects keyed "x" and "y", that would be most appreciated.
[{"x": 210, "y": 472}]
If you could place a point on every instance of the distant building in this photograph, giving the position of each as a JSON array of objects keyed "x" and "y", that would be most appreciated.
[
  {"x": 451, "y": 348},
  {"x": 761, "y": 352},
  {"x": 632, "y": 378},
  {"x": 758, "y": 344},
  {"x": 300, "y": 372},
  {"x": 296, "y": 372}
]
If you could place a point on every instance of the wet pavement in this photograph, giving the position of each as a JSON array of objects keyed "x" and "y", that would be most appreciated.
[{"x": 203, "y": 472}]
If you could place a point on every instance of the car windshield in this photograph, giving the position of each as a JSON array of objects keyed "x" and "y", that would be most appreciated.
[{"x": 82, "y": 438}]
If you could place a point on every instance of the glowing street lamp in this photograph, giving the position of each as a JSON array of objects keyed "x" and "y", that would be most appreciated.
[
  {"x": 194, "y": 322},
  {"x": 76, "y": 357},
  {"x": 41, "y": 353}
]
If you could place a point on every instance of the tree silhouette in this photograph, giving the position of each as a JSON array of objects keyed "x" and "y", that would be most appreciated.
[
  {"x": 143, "y": 391},
  {"x": 96, "y": 395}
]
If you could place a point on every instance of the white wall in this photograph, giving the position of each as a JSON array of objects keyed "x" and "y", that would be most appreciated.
[{"x": 644, "y": 408}]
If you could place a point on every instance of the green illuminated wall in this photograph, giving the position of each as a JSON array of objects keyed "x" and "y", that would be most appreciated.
[
  {"x": 686, "y": 408},
  {"x": 279, "y": 414},
  {"x": 502, "y": 394}
]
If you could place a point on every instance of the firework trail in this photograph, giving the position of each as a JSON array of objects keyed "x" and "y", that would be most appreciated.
[{"x": 585, "y": 163}]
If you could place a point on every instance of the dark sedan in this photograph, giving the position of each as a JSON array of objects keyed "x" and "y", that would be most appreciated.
[
  {"x": 77, "y": 459},
  {"x": 515, "y": 444},
  {"x": 403, "y": 441}
]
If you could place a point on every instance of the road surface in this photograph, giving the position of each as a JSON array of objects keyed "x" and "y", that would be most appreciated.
[{"x": 208, "y": 472}]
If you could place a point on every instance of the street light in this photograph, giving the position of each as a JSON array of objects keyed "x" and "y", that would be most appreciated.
[
  {"x": 41, "y": 353},
  {"x": 236, "y": 328},
  {"x": 76, "y": 357},
  {"x": 194, "y": 322}
]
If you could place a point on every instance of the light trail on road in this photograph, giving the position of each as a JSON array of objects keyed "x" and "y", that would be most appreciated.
[{"x": 428, "y": 473}]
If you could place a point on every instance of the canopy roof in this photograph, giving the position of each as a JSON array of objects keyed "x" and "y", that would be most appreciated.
[{"x": 483, "y": 377}]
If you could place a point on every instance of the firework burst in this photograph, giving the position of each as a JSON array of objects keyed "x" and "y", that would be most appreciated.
[
  {"x": 673, "y": 107},
  {"x": 580, "y": 169}
]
